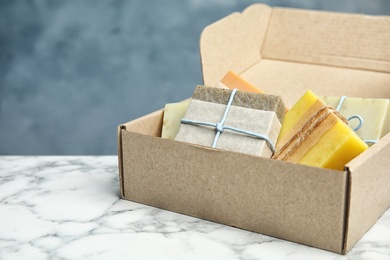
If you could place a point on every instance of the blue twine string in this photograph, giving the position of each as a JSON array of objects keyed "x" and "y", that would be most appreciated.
[
  {"x": 341, "y": 102},
  {"x": 361, "y": 121},
  {"x": 220, "y": 127}
]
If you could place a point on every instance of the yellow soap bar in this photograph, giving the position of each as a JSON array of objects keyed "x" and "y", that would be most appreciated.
[
  {"x": 306, "y": 101},
  {"x": 312, "y": 134},
  {"x": 373, "y": 112},
  {"x": 335, "y": 148},
  {"x": 233, "y": 81},
  {"x": 173, "y": 113}
]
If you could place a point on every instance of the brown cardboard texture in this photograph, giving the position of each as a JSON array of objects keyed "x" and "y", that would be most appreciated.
[{"x": 284, "y": 52}]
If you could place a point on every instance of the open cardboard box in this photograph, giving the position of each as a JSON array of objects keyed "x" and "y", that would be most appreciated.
[{"x": 284, "y": 52}]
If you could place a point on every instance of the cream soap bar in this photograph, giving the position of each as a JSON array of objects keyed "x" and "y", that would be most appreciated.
[
  {"x": 173, "y": 113},
  {"x": 373, "y": 112},
  {"x": 312, "y": 134}
]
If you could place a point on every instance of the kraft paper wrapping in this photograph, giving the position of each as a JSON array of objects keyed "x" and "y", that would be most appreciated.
[
  {"x": 242, "y": 99},
  {"x": 258, "y": 121}
]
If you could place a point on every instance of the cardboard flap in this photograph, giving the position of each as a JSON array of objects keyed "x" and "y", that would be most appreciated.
[
  {"x": 146, "y": 124},
  {"x": 369, "y": 189},
  {"x": 233, "y": 43},
  {"x": 333, "y": 39}
]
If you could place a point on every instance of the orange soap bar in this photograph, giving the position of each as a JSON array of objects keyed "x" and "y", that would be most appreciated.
[{"x": 231, "y": 81}]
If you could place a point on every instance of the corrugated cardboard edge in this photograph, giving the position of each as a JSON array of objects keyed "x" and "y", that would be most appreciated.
[
  {"x": 139, "y": 125},
  {"x": 120, "y": 159},
  {"x": 347, "y": 211},
  {"x": 369, "y": 198}
]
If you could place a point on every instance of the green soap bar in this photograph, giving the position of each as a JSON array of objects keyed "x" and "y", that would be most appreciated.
[
  {"x": 173, "y": 113},
  {"x": 373, "y": 111}
]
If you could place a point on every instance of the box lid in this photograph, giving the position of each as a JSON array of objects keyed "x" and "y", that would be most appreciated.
[{"x": 287, "y": 51}]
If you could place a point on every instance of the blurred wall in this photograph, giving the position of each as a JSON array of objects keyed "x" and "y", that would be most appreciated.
[{"x": 71, "y": 71}]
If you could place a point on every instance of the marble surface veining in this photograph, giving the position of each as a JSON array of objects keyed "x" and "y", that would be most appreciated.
[{"x": 68, "y": 208}]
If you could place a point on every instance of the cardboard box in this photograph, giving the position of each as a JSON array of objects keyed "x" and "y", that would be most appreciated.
[{"x": 284, "y": 52}]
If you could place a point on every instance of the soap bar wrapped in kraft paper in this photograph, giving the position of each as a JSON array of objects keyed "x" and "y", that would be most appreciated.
[
  {"x": 174, "y": 112},
  {"x": 233, "y": 120},
  {"x": 317, "y": 135}
]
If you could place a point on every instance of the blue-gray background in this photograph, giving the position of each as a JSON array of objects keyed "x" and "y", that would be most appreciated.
[{"x": 71, "y": 71}]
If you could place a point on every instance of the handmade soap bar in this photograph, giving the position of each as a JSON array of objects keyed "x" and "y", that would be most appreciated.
[
  {"x": 253, "y": 120},
  {"x": 242, "y": 99},
  {"x": 373, "y": 111},
  {"x": 173, "y": 113},
  {"x": 231, "y": 81},
  {"x": 313, "y": 134}
]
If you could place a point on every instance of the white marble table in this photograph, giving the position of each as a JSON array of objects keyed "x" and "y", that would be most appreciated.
[{"x": 68, "y": 208}]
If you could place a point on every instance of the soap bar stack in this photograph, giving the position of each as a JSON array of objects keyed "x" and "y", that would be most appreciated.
[
  {"x": 314, "y": 134},
  {"x": 249, "y": 112},
  {"x": 174, "y": 112}
]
